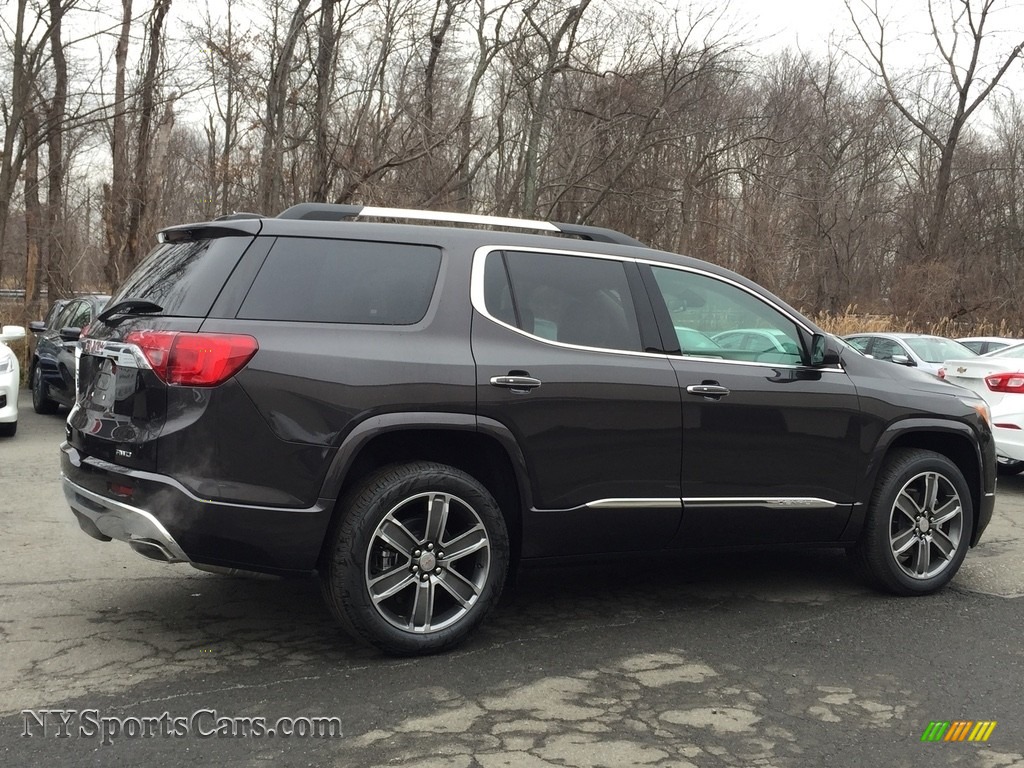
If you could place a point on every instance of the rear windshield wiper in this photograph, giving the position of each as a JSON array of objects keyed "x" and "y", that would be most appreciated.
[{"x": 127, "y": 308}]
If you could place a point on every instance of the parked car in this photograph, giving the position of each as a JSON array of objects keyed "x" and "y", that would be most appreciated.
[
  {"x": 694, "y": 342},
  {"x": 54, "y": 359},
  {"x": 914, "y": 350},
  {"x": 984, "y": 345},
  {"x": 38, "y": 326},
  {"x": 410, "y": 410},
  {"x": 10, "y": 379},
  {"x": 999, "y": 378},
  {"x": 757, "y": 340}
]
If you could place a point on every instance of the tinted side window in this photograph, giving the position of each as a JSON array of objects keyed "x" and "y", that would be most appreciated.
[
  {"x": 81, "y": 316},
  {"x": 344, "y": 281},
  {"x": 884, "y": 349},
  {"x": 184, "y": 278},
  {"x": 63, "y": 318},
  {"x": 572, "y": 299},
  {"x": 50, "y": 321},
  {"x": 739, "y": 325},
  {"x": 860, "y": 343}
]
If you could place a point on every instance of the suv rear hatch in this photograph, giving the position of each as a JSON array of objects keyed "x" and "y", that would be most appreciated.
[{"x": 124, "y": 402}]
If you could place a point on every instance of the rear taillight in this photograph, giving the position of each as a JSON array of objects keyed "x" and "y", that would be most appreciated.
[
  {"x": 194, "y": 359},
  {"x": 942, "y": 373},
  {"x": 1005, "y": 382}
]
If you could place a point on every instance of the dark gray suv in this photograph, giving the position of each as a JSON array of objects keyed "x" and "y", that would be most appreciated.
[{"x": 410, "y": 409}]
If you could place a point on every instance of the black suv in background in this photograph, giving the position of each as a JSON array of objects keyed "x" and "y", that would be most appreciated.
[
  {"x": 51, "y": 372},
  {"x": 407, "y": 409}
]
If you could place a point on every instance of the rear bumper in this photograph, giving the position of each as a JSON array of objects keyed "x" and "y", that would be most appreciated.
[
  {"x": 1009, "y": 439},
  {"x": 161, "y": 519},
  {"x": 105, "y": 519}
]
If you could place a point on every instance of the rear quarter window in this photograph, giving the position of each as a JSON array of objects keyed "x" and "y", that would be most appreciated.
[
  {"x": 184, "y": 278},
  {"x": 344, "y": 281}
]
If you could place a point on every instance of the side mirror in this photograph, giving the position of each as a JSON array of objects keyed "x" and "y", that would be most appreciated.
[
  {"x": 37, "y": 326},
  {"x": 825, "y": 351},
  {"x": 903, "y": 360},
  {"x": 12, "y": 333},
  {"x": 70, "y": 334}
]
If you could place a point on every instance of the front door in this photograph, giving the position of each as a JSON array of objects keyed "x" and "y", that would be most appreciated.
[{"x": 770, "y": 445}]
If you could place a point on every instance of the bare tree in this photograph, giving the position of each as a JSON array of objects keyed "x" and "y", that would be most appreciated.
[
  {"x": 277, "y": 91},
  {"x": 556, "y": 50},
  {"x": 939, "y": 104},
  {"x": 130, "y": 187},
  {"x": 27, "y": 50},
  {"x": 58, "y": 272}
]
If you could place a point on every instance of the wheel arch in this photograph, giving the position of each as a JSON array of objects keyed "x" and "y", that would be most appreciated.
[
  {"x": 954, "y": 440},
  {"x": 483, "y": 448}
]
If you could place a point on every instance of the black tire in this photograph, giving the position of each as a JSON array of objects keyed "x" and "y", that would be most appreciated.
[
  {"x": 1008, "y": 467},
  {"x": 911, "y": 545},
  {"x": 41, "y": 403},
  {"x": 381, "y": 542},
  {"x": 8, "y": 429}
]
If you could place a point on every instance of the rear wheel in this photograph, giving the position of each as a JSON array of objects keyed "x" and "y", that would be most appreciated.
[
  {"x": 41, "y": 402},
  {"x": 919, "y": 524},
  {"x": 417, "y": 559}
]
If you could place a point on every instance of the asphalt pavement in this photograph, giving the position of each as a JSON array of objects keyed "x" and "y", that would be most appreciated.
[{"x": 733, "y": 659}]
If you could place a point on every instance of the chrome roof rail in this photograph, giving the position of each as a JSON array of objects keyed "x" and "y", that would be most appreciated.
[{"x": 332, "y": 212}]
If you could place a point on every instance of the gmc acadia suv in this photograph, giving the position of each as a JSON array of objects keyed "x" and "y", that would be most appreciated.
[{"x": 410, "y": 409}]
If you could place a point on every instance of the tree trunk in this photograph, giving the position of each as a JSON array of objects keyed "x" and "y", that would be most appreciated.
[
  {"x": 58, "y": 270},
  {"x": 115, "y": 193},
  {"x": 322, "y": 159},
  {"x": 33, "y": 215},
  {"x": 273, "y": 119}
]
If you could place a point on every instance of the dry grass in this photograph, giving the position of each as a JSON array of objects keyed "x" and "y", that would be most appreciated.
[{"x": 852, "y": 321}]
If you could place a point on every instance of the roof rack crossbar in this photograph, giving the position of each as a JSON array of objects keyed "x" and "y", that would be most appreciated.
[{"x": 335, "y": 212}]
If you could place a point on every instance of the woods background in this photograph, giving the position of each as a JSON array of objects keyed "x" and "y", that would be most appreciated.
[{"x": 852, "y": 177}]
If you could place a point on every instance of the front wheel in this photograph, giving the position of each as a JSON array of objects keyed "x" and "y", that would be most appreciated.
[
  {"x": 8, "y": 429},
  {"x": 417, "y": 559},
  {"x": 41, "y": 403},
  {"x": 918, "y": 526}
]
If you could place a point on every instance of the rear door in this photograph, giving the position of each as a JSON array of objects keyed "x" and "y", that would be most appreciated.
[{"x": 560, "y": 348}]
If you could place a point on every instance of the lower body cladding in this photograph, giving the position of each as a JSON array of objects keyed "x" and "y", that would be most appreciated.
[{"x": 162, "y": 520}]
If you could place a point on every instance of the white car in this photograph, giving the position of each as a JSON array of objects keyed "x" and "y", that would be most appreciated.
[
  {"x": 987, "y": 345},
  {"x": 999, "y": 378},
  {"x": 10, "y": 376},
  {"x": 915, "y": 350}
]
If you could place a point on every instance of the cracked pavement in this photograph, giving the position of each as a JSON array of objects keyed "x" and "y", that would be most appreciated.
[{"x": 737, "y": 659}]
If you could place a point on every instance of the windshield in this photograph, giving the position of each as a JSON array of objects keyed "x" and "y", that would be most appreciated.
[{"x": 935, "y": 349}]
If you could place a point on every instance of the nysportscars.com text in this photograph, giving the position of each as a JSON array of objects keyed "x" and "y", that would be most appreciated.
[{"x": 202, "y": 724}]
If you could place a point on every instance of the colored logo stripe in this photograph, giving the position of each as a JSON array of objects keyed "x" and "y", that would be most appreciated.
[
  {"x": 982, "y": 731},
  {"x": 958, "y": 730},
  {"x": 935, "y": 731}
]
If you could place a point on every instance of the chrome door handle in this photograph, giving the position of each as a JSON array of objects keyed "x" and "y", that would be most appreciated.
[
  {"x": 711, "y": 391},
  {"x": 518, "y": 384}
]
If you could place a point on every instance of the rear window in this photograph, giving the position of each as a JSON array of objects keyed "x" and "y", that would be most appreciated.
[
  {"x": 184, "y": 278},
  {"x": 344, "y": 281}
]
